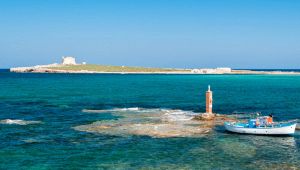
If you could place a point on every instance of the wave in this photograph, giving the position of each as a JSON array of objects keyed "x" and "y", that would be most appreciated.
[
  {"x": 178, "y": 115},
  {"x": 128, "y": 109},
  {"x": 169, "y": 115},
  {"x": 18, "y": 122},
  {"x": 111, "y": 110}
]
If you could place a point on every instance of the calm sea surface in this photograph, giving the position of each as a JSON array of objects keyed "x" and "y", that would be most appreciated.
[{"x": 56, "y": 101}]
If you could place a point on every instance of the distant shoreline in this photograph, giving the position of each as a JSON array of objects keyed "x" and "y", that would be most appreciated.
[{"x": 104, "y": 69}]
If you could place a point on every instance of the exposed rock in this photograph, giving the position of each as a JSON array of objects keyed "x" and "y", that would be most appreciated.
[
  {"x": 205, "y": 117},
  {"x": 159, "y": 130},
  {"x": 213, "y": 117},
  {"x": 160, "y": 123}
]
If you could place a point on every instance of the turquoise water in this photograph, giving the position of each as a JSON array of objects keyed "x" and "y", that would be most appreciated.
[{"x": 56, "y": 101}]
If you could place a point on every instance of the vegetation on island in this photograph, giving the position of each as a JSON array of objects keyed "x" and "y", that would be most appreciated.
[{"x": 107, "y": 68}]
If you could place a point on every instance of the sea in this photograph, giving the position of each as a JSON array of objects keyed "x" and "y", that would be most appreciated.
[{"x": 41, "y": 116}]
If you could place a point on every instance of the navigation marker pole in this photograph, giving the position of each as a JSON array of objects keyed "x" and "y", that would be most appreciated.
[{"x": 209, "y": 100}]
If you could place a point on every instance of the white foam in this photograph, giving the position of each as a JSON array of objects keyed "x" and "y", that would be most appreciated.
[
  {"x": 168, "y": 115},
  {"x": 126, "y": 109},
  {"x": 112, "y": 110},
  {"x": 94, "y": 111},
  {"x": 17, "y": 122},
  {"x": 178, "y": 115}
]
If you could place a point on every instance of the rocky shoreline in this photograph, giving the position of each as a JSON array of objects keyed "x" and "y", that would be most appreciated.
[
  {"x": 45, "y": 70},
  {"x": 57, "y": 68}
]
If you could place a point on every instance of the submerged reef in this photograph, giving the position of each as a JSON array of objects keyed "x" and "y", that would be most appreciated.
[{"x": 158, "y": 123}]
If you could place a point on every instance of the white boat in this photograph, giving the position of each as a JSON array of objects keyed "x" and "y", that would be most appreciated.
[{"x": 286, "y": 128}]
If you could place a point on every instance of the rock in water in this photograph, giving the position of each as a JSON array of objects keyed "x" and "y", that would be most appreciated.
[{"x": 205, "y": 117}]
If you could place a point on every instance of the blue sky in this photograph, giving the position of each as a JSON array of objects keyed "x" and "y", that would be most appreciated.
[{"x": 153, "y": 33}]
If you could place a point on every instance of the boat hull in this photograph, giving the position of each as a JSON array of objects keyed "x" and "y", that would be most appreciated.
[{"x": 285, "y": 130}]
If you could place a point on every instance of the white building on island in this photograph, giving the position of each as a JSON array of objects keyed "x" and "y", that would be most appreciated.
[
  {"x": 219, "y": 70},
  {"x": 68, "y": 60}
]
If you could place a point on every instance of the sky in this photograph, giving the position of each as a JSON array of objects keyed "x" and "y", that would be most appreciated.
[{"x": 152, "y": 33}]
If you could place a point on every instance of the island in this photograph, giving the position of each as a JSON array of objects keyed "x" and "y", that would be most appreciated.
[{"x": 69, "y": 65}]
